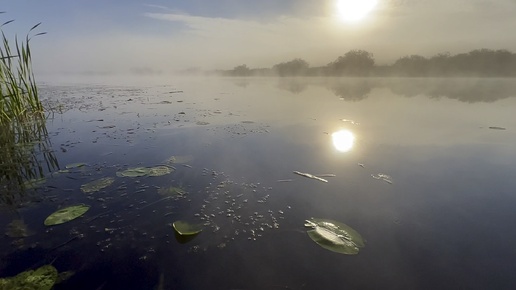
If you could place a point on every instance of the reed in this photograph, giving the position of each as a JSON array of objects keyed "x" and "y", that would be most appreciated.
[{"x": 18, "y": 90}]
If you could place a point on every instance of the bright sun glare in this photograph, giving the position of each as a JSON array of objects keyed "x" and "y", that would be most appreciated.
[
  {"x": 354, "y": 10},
  {"x": 343, "y": 140}
]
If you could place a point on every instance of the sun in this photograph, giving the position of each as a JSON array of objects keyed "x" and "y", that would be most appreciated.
[{"x": 354, "y": 10}]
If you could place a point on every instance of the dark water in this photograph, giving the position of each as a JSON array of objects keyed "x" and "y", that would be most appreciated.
[{"x": 446, "y": 220}]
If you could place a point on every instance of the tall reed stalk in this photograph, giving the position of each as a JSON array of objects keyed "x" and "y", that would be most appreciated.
[{"x": 18, "y": 91}]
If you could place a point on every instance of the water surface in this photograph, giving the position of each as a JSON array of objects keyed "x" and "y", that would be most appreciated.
[{"x": 443, "y": 220}]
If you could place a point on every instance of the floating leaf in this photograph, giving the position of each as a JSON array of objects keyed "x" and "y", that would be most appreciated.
[
  {"x": 381, "y": 176},
  {"x": 186, "y": 229},
  {"x": 133, "y": 172},
  {"x": 335, "y": 236},
  {"x": 75, "y": 165},
  {"x": 42, "y": 278},
  {"x": 145, "y": 171},
  {"x": 97, "y": 184},
  {"x": 159, "y": 170},
  {"x": 66, "y": 214}
]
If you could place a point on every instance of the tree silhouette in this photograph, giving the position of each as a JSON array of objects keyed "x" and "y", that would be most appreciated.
[
  {"x": 354, "y": 62},
  {"x": 294, "y": 67}
]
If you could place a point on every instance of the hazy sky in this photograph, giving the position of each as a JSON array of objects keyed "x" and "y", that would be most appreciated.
[{"x": 123, "y": 35}]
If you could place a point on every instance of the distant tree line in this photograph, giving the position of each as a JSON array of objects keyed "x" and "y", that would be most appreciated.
[{"x": 476, "y": 63}]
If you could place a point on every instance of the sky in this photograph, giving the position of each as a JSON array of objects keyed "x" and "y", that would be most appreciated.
[{"x": 117, "y": 36}]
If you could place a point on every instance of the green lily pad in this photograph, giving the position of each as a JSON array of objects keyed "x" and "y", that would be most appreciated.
[
  {"x": 186, "y": 229},
  {"x": 66, "y": 214},
  {"x": 159, "y": 170},
  {"x": 335, "y": 236},
  {"x": 133, "y": 172},
  {"x": 97, "y": 185},
  {"x": 145, "y": 171},
  {"x": 42, "y": 278}
]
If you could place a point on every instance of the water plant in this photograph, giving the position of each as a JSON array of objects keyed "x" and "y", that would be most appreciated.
[{"x": 18, "y": 90}]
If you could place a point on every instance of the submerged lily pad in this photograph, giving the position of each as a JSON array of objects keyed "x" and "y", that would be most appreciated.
[
  {"x": 179, "y": 159},
  {"x": 335, "y": 236},
  {"x": 34, "y": 183},
  {"x": 75, "y": 165},
  {"x": 172, "y": 191},
  {"x": 66, "y": 214},
  {"x": 186, "y": 229},
  {"x": 145, "y": 171},
  {"x": 42, "y": 278},
  {"x": 97, "y": 184},
  {"x": 17, "y": 229}
]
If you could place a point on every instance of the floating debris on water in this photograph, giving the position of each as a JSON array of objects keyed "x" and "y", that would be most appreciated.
[
  {"x": 308, "y": 175},
  {"x": 497, "y": 128},
  {"x": 75, "y": 165},
  {"x": 326, "y": 175},
  {"x": 381, "y": 176}
]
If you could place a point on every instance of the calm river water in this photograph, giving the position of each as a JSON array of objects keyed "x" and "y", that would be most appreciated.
[{"x": 425, "y": 172}]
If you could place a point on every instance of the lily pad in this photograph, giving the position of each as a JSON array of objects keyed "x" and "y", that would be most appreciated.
[
  {"x": 172, "y": 191},
  {"x": 145, "y": 171},
  {"x": 34, "y": 183},
  {"x": 186, "y": 229},
  {"x": 97, "y": 184},
  {"x": 159, "y": 170},
  {"x": 42, "y": 278},
  {"x": 75, "y": 165},
  {"x": 66, "y": 214},
  {"x": 335, "y": 236}
]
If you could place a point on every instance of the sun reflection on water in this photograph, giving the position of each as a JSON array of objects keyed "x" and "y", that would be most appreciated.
[{"x": 343, "y": 140}]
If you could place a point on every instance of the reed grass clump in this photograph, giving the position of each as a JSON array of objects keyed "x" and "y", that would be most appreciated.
[{"x": 18, "y": 91}]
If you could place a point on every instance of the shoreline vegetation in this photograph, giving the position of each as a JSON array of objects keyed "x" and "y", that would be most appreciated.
[
  {"x": 18, "y": 91},
  {"x": 360, "y": 63}
]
